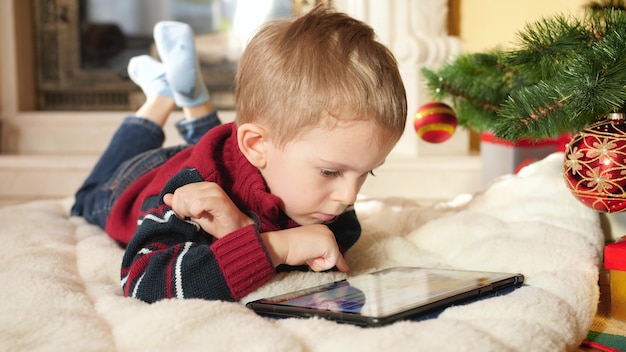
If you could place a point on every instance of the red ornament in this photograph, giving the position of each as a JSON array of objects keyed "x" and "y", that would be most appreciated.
[
  {"x": 595, "y": 165},
  {"x": 435, "y": 122}
]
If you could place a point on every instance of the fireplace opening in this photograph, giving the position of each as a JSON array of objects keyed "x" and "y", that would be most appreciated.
[{"x": 83, "y": 46}]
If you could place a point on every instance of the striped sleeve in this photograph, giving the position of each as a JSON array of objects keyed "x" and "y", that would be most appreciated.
[
  {"x": 161, "y": 264},
  {"x": 170, "y": 257}
]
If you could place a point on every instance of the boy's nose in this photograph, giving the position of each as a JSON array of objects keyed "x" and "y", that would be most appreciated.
[{"x": 347, "y": 195}]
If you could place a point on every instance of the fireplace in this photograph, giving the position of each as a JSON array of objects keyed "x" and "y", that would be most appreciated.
[
  {"x": 416, "y": 31},
  {"x": 83, "y": 46}
]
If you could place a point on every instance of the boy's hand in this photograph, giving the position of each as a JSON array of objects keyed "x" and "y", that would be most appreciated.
[
  {"x": 313, "y": 245},
  {"x": 209, "y": 206}
]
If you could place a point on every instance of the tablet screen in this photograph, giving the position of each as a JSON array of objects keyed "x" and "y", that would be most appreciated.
[{"x": 392, "y": 291}]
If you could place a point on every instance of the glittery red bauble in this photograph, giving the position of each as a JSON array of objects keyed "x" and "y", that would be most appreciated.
[
  {"x": 595, "y": 165},
  {"x": 435, "y": 122}
]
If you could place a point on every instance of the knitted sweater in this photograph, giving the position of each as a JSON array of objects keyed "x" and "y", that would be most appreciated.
[{"x": 169, "y": 257}]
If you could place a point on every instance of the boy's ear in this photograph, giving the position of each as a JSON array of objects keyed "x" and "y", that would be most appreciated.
[{"x": 252, "y": 139}]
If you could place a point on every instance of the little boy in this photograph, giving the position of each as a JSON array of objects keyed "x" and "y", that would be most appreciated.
[{"x": 319, "y": 105}]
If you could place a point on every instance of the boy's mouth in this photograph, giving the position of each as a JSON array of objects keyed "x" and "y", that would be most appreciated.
[{"x": 325, "y": 217}]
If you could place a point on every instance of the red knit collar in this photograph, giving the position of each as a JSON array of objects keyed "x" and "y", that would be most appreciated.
[{"x": 242, "y": 181}]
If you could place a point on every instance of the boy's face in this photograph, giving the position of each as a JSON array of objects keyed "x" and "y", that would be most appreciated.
[{"x": 320, "y": 173}]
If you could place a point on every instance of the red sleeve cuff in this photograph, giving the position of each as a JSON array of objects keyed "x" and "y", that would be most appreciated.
[{"x": 243, "y": 261}]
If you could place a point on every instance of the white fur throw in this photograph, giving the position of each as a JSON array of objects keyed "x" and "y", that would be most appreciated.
[{"x": 61, "y": 289}]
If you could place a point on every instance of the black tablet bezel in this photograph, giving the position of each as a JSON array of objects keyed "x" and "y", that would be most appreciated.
[{"x": 268, "y": 306}]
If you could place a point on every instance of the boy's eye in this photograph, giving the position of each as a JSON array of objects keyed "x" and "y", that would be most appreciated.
[
  {"x": 371, "y": 172},
  {"x": 329, "y": 173}
]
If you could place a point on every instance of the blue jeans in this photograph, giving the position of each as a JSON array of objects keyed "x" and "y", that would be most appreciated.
[{"x": 136, "y": 148}]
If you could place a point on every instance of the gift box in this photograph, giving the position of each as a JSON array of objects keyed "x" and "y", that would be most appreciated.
[
  {"x": 615, "y": 262},
  {"x": 502, "y": 157}
]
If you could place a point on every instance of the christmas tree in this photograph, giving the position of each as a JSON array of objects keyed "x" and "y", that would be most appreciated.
[{"x": 563, "y": 74}]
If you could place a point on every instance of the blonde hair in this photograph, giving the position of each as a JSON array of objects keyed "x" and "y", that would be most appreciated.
[{"x": 296, "y": 74}]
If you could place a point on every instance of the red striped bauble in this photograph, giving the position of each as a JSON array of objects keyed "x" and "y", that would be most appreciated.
[{"x": 435, "y": 122}]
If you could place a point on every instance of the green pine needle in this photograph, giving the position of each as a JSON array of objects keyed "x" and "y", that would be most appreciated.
[{"x": 564, "y": 74}]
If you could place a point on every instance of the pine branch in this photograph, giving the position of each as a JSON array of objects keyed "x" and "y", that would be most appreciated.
[
  {"x": 597, "y": 80},
  {"x": 546, "y": 45},
  {"x": 564, "y": 74},
  {"x": 477, "y": 84},
  {"x": 542, "y": 109},
  {"x": 589, "y": 87}
]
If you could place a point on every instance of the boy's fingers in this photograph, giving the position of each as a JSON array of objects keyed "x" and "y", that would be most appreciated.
[
  {"x": 167, "y": 199},
  {"x": 322, "y": 264},
  {"x": 342, "y": 265}
]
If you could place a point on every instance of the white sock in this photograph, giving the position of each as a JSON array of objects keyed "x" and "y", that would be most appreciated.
[
  {"x": 176, "y": 47},
  {"x": 149, "y": 74}
]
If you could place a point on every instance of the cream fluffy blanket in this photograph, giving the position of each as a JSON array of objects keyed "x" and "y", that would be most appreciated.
[{"x": 62, "y": 292}]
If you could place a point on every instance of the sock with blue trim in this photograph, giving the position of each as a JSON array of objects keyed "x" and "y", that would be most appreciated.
[
  {"x": 176, "y": 48},
  {"x": 149, "y": 75}
]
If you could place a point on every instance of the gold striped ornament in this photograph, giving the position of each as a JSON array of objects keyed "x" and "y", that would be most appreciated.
[{"x": 435, "y": 122}]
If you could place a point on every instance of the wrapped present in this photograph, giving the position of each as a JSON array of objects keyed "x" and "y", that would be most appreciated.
[
  {"x": 615, "y": 262},
  {"x": 501, "y": 157}
]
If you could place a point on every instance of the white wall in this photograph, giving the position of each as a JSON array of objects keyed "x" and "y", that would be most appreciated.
[{"x": 489, "y": 23}]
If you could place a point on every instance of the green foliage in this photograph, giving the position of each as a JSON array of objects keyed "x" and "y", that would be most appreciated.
[{"x": 563, "y": 74}]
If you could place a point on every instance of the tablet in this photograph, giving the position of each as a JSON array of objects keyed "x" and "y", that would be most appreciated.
[{"x": 383, "y": 297}]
